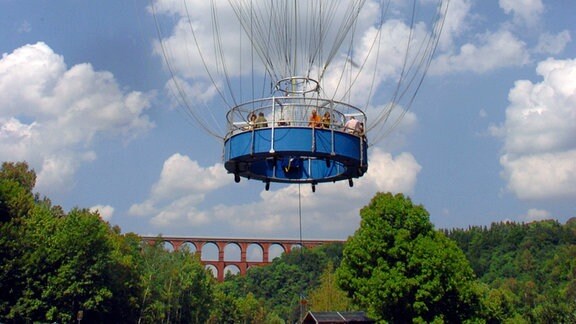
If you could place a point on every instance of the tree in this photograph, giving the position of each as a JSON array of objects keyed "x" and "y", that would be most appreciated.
[
  {"x": 63, "y": 266},
  {"x": 16, "y": 202},
  {"x": 398, "y": 268},
  {"x": 175, "y": 286},
  {"x": 29, "y": 268},
  {"x": 531, "y": 262},
  {"x": 16, "y": 184},
  {"x": 328, "y": 296},
  {"x": 250, "y": 309},
  {"x": 124, "y": 277},
  {"x": 20, "y": 173}
]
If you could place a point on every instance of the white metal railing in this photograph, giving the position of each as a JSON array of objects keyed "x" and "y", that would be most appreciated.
[{"x": 294, "y": 111}]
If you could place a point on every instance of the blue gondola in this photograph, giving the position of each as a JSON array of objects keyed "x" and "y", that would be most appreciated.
[{"x": 286, "y": 148}]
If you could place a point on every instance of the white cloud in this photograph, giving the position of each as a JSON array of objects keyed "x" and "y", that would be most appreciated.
[
  {"x": 24, "y": 27},
  {"x": 192, "y": 36},
  {"x": 143, "y": 209},
  {"x": 105, "y": 211},
  {"x": 181, "y": 176},
  {"x": 534, "y": 215},
  {"x": 182, "y": 186},
  {"x": 495, "y": 50},
  {"x": 526, "y": 12},
  {"x": 57, "y": 170},
  {"x": 505, "y": 45},
  {"x": 456, "y": 22},
  {"x": 553, "y": 44},
  {"x": 542, "y": 175},
  {"x": 50, "y": 114},
  {"x": 333, "y": 210},
  {"x": 541, "y": 116},
  {"x": 392, "y": 174},
  {"x": 539, "y": 157},
  {"x": 181, "y": 211}
]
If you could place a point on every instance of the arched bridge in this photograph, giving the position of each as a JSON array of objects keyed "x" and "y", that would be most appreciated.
[{"x": 239, "y": 254}]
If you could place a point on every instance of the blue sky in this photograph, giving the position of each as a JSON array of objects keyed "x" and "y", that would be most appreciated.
[{"x": 490, "y": 137}]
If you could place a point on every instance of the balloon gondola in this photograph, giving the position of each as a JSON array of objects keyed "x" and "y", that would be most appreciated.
[{"x": 288, "y": 147}]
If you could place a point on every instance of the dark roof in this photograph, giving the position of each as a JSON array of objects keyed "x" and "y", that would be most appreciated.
[{"x": 336, "y": 317}]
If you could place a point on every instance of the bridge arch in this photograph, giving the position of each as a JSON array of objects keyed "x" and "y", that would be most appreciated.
[
  {"x": 254, "y": 253},
  {"x": 275, "y": 250},
  {"x": 188, "y": 246},
  {"x": 232, "y": 269},
  {"x": 212, "y": 268},
  {"x": 232, "y": 252},
  {"x": 209, "y": 251},
  {"x": 168, "y": 246}
]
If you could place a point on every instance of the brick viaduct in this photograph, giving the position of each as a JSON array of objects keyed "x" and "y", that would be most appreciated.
[{"x": 261, "y": 250}]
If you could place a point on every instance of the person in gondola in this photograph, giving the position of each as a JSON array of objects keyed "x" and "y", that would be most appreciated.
[
  {"x": 251, "y": 121},
  {"x": 326, "y": 120},
  {"x": 315, "y": 120},
  {"x": 282, "y": 122},
  {"x": 261, "y": 121},
  {"x": 351, "y": 126}
]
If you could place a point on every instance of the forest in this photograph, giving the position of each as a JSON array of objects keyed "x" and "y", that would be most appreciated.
[{"x": 69, "y": 266}]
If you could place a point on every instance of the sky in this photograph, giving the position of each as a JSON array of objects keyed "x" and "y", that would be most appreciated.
[{"x": 490, "y": 137}]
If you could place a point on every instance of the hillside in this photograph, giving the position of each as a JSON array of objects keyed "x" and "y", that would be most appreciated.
[{"x": 531, "y": 267}]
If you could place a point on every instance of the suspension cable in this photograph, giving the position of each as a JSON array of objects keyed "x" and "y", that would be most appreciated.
[{"x": 180, "y": 91}]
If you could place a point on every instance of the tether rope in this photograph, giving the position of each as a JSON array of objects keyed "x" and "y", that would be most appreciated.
[{"x": 301, "y": 243}]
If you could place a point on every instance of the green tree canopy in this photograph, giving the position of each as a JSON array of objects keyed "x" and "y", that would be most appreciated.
[
  {"x": 328, "y": 296},
  {"x": 16, "y": 184},
  {"x": 16, "y": 201},
  {"x": 175, "y": 286},
  {"x": 528, "y": 266},
  {"x": 398, "y": 268}
]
